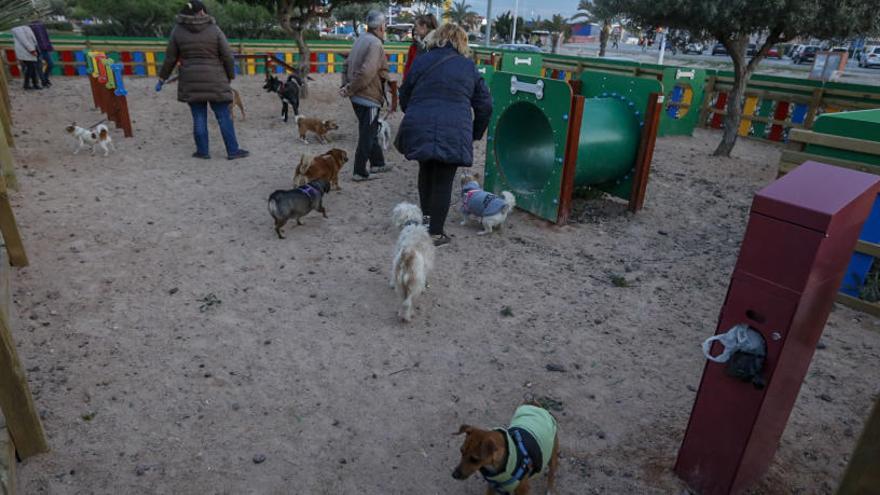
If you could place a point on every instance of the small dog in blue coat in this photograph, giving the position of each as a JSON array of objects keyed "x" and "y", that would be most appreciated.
[{"x": 489, "y": 209}]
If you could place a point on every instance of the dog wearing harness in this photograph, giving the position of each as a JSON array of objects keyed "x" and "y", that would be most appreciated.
[
  {"x": 297, "y": 203},
  {"x": 489, "y": 209},
  {"x": 509, "y": 457}
]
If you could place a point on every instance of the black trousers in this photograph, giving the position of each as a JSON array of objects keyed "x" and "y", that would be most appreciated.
[
  {"x": 435, "y": 191},
  {"x": 368, "y": 147},
  {"x": 30, "y": 70}
]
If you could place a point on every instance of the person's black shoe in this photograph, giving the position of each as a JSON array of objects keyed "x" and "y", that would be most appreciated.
[
  {"x": 199, "y": 155},
  {"x": 441, "y": 240},
  {"x": 239, "y": 154}
]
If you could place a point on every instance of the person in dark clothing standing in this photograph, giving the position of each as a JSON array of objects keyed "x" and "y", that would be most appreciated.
[
  {"x": 363, "y": 80},
  {"x": 447, "y": 107},
  {"x": 206, "y": 69},
  {"x": 44, "y": 45}
]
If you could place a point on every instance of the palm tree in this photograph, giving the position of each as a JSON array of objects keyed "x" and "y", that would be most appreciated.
[
  {"x": 461, "y": 14},
  {"x": 600, "y": 12},
  {"x": 15, "y": 12},
  {"x": 558, "y": 27},
  {"x": 504, "y": 25}
]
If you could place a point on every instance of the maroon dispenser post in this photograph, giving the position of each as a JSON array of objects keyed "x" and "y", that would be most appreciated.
[{"x": 799, "y": 240}]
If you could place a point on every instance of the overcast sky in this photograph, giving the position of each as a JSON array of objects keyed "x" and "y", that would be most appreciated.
[{"x": 528, "y": 8}]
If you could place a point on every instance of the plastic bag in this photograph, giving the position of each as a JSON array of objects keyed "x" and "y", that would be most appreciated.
[{"x": 739, "y": 338}]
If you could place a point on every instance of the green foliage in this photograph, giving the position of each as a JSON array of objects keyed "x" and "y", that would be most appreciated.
[
  {"x": 504, "y": 25},
  {"x": 59, "y": 26},
  {"x": 129, "y": 17},
  {"x": 559, "y": 28},
  {"x": 356, "y": 13},
  {"x": 17, "y": 12},
  {"x": 239, "y": 19}
]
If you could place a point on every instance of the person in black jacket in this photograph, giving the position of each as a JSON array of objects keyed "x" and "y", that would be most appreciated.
[{"x": 447, "y": 107}]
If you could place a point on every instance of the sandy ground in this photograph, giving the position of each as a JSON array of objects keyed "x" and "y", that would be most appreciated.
[{"x": 145, "y": 388}]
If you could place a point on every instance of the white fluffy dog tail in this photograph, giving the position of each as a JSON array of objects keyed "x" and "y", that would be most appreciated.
[
  {"x": 509, "y": 199},
  {"x": 273, "y": 208}
]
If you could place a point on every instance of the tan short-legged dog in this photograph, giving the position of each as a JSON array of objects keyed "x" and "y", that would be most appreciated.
[
  {"x": 317, "y": 126},
  {"x": 326, "y": 166},
  {"x": 509, "y": 457}
]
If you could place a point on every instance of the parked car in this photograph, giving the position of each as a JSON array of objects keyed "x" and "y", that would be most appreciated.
[
  {"x": 520, "y": 47},
  {"x": 863, "y": 53},
  {"x": 871, "y": 59},
  {"x": 719, "y": 49},
  {"x": 693, "y": 48},
  {"x": 752, "y": 50},
  {"x": 808, "y": 54},
  {"x": 774, "y": 52}
]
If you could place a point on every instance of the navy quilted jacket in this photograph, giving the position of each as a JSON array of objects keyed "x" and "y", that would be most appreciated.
[{"x": 446, "y": 109}]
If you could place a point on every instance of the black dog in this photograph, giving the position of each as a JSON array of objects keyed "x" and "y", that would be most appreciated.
[
  {"x": 297, "y": 203},
  {"x": 288, "y": 92}
]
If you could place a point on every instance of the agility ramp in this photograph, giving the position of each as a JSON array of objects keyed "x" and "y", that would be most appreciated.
[{"x": 548, "y": 138}]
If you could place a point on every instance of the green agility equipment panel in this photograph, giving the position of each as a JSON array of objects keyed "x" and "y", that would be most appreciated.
[
  {"x": 684, "y": 89},
  {"x": 527, "y": 63},
  {"x": 541, "y": 153},
  {"x": 861, "y": 124},
  {"x": 526, "y": 141},
  {"x": 487, "y": 71}
]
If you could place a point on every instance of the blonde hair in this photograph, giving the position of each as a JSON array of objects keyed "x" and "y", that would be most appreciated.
[{"x": 449, "y": 34}]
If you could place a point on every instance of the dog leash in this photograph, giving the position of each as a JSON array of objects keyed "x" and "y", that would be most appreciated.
[{"x": 96, "y": 124}]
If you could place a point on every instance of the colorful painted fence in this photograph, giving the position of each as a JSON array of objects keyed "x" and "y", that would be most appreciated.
[{"x": 144, "y": 56}]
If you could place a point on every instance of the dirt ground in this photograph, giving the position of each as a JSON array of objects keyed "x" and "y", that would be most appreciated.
[{"x": 172, "y": 341}]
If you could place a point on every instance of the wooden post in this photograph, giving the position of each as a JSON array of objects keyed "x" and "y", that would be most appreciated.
[
  {"x": 862, "y": 475},
  {"x": 707, "y": 102},
  {"x": 16, "y": 401},
  {"x": 646, "y": 152},
  {"x": 7, "y": 170},
  {"x": 6, "y": 108},
  {"x": 11, "y": 236},
  {"x": 569, "y": 165},
  {"x": 814, "y": 107}
]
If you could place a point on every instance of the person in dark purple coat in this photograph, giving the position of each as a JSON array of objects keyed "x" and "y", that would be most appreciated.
[
  {"x": 447, "y": 107},
  {"x": 46, "y": 49}
]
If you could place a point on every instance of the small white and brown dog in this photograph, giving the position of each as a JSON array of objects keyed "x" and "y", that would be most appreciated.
[
  {"x": 384, "y": 134},
  {"x": 413, "y": 257},
  {"x": 98, "y": 135},
  {"x": 490, "y": 210}
]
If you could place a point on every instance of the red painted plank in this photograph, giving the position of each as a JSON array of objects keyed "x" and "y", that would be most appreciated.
[
  {"x": 126, "y": 59},
  {"x": 67, "y": 56},
  {"x": 781, "y": 113},
  {"x": 720, "y": 104},
  {"x": 14, "y": 70},
  {"x": 313, "y": 57}
]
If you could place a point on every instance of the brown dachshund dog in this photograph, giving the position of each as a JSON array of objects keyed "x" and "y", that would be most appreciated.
[{"x": 326, "y": 166}]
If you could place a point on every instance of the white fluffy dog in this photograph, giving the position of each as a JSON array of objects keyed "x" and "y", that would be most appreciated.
[
  {"x": 490, "y": 210},
  {"x": 384, "y": 133},
  {"x": 413, "y": 256},
  {"x": 96, "y": 136}
]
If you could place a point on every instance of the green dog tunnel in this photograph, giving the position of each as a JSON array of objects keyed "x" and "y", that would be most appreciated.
[{"x": 548, "y": 138}]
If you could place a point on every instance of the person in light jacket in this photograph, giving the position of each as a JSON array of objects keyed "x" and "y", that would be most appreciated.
[
  {"x": 26, "y": 52},
  {"x": 363, "y": 81},
  {"x": 206, "y": 69},
  {"x": 446, "y": 108}
]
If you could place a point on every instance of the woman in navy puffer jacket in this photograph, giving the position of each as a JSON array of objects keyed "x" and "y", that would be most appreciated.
[{"x": 447, "y": 107}]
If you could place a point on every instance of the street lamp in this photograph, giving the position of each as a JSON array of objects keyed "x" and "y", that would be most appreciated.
[{"x": 515, "y": 9}]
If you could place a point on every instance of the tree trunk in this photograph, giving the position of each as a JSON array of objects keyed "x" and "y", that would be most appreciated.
[
  {"x": 741, "y": 74},
  {"x": 303, "y": 65},
  {"x": 603, "y": 36},
  {"x": 554, "y": 40}
]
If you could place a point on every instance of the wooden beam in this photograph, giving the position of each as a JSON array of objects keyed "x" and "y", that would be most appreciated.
[
  {"x": 569, "y": 165},
  {"x": 7, "y": 461},
  {"x": 646, "y": 152},
  {"x": 766, "y": 120},
  {"x": 858, "y": 304},
  {"x": 862, "y": 475},
  {"x": 868, "y": 248},
  {"x": 799, "y": 157},
  {"x": 7, "y": 168},
  {"x": 845, "y": 143},
  {"x": 16, "y": 400},
  {"x": 9, "y": 229}
]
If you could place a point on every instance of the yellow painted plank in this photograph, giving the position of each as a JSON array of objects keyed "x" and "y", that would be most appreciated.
[
  {"x": 251, "y": 66},
  {"x": 748, "y": 110},
  {"x": 151, "y": 63},
  {"x": 331, "y": 61}
]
